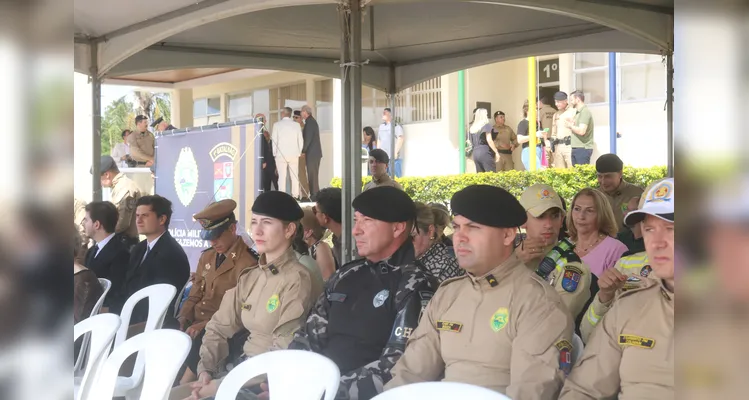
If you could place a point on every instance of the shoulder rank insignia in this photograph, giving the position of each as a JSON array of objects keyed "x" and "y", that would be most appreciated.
[
  {"x": 448, "y": 326},
  {"x": 492, "y": 281},
  {"x": 571, "y": 278},
  {"x": 565, "y": 355},
  {"x": 273, "y": 270},
  {"x": 636, "y": 341},
  {"x": 246, "y": 306}
]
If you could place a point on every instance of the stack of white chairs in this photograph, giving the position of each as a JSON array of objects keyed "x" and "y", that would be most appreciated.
[
  {"x": 106, "y": 284},
  {"x": 101, "y": 329}
]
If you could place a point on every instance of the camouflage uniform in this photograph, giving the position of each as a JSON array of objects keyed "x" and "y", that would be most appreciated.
[{"x": 414, "y": 287}]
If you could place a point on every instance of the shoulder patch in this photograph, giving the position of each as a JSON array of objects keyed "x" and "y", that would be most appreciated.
[
  {"x": 571, "y": 278},
  {"x": 565, "y": 355}
]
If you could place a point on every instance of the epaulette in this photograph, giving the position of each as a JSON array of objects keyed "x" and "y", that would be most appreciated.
[
  {"x": 253, "y": 253},
  {"x": 647, "y": 284}
]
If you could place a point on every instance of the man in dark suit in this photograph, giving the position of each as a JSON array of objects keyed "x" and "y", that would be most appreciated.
[
  {"x": 158, "y": 259},
  {"x": 109, "y": 257},
  {"x": 311, "y": 150}
]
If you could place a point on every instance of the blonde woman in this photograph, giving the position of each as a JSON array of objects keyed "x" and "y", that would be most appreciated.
[
  {"x": 319, "y": 250},
  {"x": 428, "y": 245},
  {"x": 485, "y": 153},
  {"x": 593, "y": 228}
]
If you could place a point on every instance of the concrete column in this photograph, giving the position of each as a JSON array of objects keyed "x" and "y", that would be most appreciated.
[
  {"x": 182, "y": 103},
  {"x": 311, "y": 93}
]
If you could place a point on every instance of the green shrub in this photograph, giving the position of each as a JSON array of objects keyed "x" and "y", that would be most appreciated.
[{"x": 567, "y": 182}]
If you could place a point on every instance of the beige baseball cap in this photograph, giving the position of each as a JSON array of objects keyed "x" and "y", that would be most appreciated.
[{"x": 539, "y": 198}]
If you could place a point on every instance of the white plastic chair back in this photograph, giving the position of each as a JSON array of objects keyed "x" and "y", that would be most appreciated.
[
  {"x": 577, "y": 348},
  {"x": 159, "y": 297},
  {"x": 292, "y": 375},
  {"x": 164, "y": 351},
  {"x": 106, "y": 284},
  {"x": 102, "y": 329},
  {"x": 440, "y": 391},
  {"x": 178, "y": 302}
]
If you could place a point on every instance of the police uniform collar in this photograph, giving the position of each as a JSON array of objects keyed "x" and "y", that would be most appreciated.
[
  {"x": 384, "y": 178},
  {"x": 665, "y": 292},
  {"x": 117, "y": 178},
  {"x": 404, "y": 255},
  {"x": 279, "y": 262},
  {"x": 498, "y": 273}
]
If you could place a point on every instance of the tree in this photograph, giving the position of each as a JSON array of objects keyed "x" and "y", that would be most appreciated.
[
  {"x": 117, "y": 116},
  {"x": 154, "y": 105}
]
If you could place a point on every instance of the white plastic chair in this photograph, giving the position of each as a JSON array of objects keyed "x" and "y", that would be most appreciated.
[
  {"x": 159, "y": 297},
  {"x": 577, "y": 348},
  {"x": 292, "y": 375},
  {"x": 163, "y": 351},
  {"x": 102, "y": 329},
  {"x": 440, "y": 390},
  {"x": 106, "y": 284}
]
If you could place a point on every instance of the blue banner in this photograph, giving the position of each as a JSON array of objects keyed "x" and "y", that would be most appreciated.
[{"x": 196, "y": 168}]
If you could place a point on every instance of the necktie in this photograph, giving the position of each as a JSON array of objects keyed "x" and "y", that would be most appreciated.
[
  {"x": 92, "y": 255},
  {"x": 148, "y": 249},
  {"x": 220, "y": 259}
]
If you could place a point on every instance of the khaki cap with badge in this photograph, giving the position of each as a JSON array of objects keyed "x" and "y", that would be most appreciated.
[
  {"x": 540, "y": 198},
  {"x": 216, "y": 218}
]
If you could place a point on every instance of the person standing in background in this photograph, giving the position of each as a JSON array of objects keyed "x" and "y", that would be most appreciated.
[
  {"x": 125, "y": 194},
  {"x": 581, "y": 126},
  {"x": 312, "y": 150},
  {"x": 485, "y": 153},
  {"x": 303, "y": 179},
  {"x": 524, "y": 139},
  {"x": 142, "y": 143},
  {"x": 387, "y": 133},
  {"x": 121, "y": 151},
  {"x": 287, "y": 147},
  {"x": 546, "y": 119},
  {"x": 560, "y": 134},
  {"x": 270, "y": 172},
  {"x": 505, "y": 141}
]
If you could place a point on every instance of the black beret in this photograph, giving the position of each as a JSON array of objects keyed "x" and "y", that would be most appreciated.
[
  {"x": 385, "y": 203},
  {"x": 379, "y": 155},
  {"x": 559, "y": 96},
  {"x": 278, "y": 205},
  {"x": 609, "y": 163},
  {"x": 107, "y": 163},
  {"x": 489, "y": 205}
]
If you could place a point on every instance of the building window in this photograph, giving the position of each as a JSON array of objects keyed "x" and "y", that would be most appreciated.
[
  {"x": 240, "y": 107},
  {"x": 590, "y": 71},
  {"x": 324, "y": 104},
  {"x": 642, "y": 77},
  {"x": 421, "y": 102},
  {"x": 294, "y": 96},
  {"x": 206, "y": 111}
]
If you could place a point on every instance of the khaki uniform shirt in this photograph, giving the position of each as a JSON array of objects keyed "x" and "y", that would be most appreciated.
[
  {"x": 620, "y": 198},
  {"x": 631, "y": 355},
  {"x": 142, "y": 146},
  {"x": 507, "y": 331},
  {"x": 385, "y": 180},
  {"x": 637, "y": 269},
  {"x": 546, "y": 116},
  {"x": 210, "y": 283},
  {"x": 271, "y": 300},
  {"x": 125, "y": 193},
  {"x": 506, "y": 137},
  {"x": 571, "y": 279},
  {"x": 558, "y": 129}
]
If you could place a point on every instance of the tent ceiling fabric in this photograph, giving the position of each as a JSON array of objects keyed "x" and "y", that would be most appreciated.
[{"x": 419, "y": 39}]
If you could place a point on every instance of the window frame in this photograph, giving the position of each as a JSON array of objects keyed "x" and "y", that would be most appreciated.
[
  {"x": 620, "y": 66},
  {"x": 605, "y": 69}
]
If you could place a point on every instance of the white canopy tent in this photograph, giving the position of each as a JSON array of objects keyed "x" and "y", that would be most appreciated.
[{"x": 386, "y": 44}]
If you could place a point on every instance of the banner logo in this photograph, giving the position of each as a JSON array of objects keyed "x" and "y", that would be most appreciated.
[
  {"x": 186, "y": 176},
  {"x": 223, "y": 170}
]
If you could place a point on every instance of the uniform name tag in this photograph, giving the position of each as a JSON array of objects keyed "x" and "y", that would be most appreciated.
[
  {"x": 636, "y": 341},
  {"x": 449, "y": 326}
]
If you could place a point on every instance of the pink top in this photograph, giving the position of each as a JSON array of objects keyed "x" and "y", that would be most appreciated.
[{"x": 605, "y": 255}]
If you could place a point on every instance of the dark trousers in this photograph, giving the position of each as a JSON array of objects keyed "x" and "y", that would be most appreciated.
[
  {"x": 269, "y": 177},
  {"x": 313, "y": 172},
  {"x": 484, "y": 160},
  {"x": 581, "y": 155}
]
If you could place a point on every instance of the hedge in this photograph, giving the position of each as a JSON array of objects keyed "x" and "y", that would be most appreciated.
[{"x": 567, "y": 182}]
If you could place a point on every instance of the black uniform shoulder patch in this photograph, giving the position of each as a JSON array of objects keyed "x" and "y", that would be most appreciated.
[{"x": 571, "y": 256}]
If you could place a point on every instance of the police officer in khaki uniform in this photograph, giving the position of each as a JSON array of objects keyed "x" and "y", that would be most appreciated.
[
  {"x": 500, "y": 326},
  {"x": 546, "y": 114},
  {"x": 506, "y": 140},
  {"x": 378, "y": 164},
  {"x": 630, "y": 355},
  {"x": 609, "y": 168},
  {"x": 561, "y": 135},
  {"x": 142, "y": 143},
  {"x": 271, "y": 299},
  {"x": 125, "y": 194},
  {"x": 217, "y": 272},
  {"x": 553, "y": 260}
]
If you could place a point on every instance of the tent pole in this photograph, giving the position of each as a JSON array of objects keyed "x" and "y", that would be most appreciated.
[
  {"x": 670, "y": 111},
  {"x": 532, "y": 108},
  {"x": 612, "y": 103},
  {"x": 347, "y": 214},
  {"x": 393, "y": 112},
  {"x": 462, "y": 121},
  {"x": 355, "y": 74},
  {"x": 95, "y": 123}
]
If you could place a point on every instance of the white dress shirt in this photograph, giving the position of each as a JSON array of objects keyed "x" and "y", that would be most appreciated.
[
  {"x": 150, "y": 246},
  {"x": 100, "y": 245},
  {"x": 120, "y": 150},
  {"x": 287, "y": 139}
]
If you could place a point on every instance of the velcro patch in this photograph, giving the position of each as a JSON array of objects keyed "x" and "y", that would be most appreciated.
[
  {"x": 636, "y": 341},
  {"x": 449, "y": 326}
]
